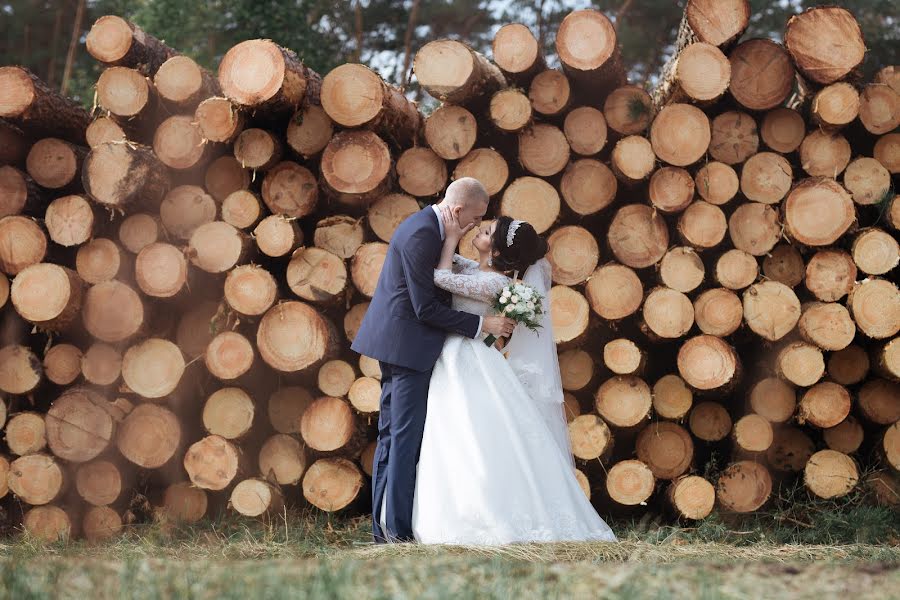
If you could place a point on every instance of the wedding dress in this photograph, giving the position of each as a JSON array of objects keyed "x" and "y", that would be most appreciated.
[{"x": 495, "y": 465}]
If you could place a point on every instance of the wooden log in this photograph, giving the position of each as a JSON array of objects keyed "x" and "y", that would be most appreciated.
[
  {"x": 14, "y": 144},
  {"x": 26, "y": 433},
  {"x": 99, "y": 482},
  {"x": 365, "y": 395},
  {"x": 100, "y": 524},
  {"x": 451, "y": 131},
  {"x": 671, "y": 189},
  {"x": 572, "y": 406},
  {"x": 666, "y": 448},
  {"x": 667, "y": 314},
  {"x": 708, "y": 363},
  {"x": 890, "y": 446},
  {"x": 672, "y": 398},
  {"x": 316, "y": 275},
  {"x": 887, "y": 152},
  {"x": 752, "y": 433},
  {"x": 830, "y": 474},
  {"x": 54, "y": 163},
  {"x": 356, "y": 168},
  {"x": 332, "y": 484},
  {"x": 217, "y": 247},
  {"x": 517, "y": 53},
  {"x": 62, "y": 364},
  {"x": 875, "y": 306},
  {"x": 633, "y": 159},
  {"x": 278, "y": 235},
  {"x": 28, "y": 103},
  {"x": 487, "y": 166},
  {"x": 875, "y": 252},
  {"x": 421, "y": 172},
  {"x": 278, "y": 81},
  {"x": 386, "y": 214},
  {"x": 339, "y": 235},
  {"x": 224, "y": 176},
  {"x": 286, "y": 406},
  {"x": 790, "y": 450},
  {"x": 282, "y": 460},
  {"x": 129, "y": 97},
  {"x": 184, "y": 503},
  {"x": 533, "y": 200},
  {"x": 161, "y": 270},
  {"x": 366, "y": 267},
  {"x": 623, "y": 401},
  {"x": 229, "y": 413},
  {"x": 293, "y": 336},
  {"x": 773, "y": 399},
  {"x": 212, "y": 463},
  {"x": 709, "y": 421},
  {"x": 623, "y": 357},
  {"x": 219, "y": 120},
  {"x": 835, "y": 106},
  {"x": 335, "y": 378},
  {"x": 782, "y": 130},
  {"x": 638, "y": 236},
  {"x": 591, "y": 437},
  {"x": 718, "y": 312},
  {"x": 329, "y": 426},
  {"x": 733, "y": 137},
  {"x": 736, "y": 269},
  {"x": 182, "y": 84},
  {"x": 510, "y": 111},
  {"x": 716, "y": 182},
  {"x": 762, "y": 75},
  {"x": 877, "y": 401},
  {"x": 866, "y": 180},
  {"x": 576, "y": 369},
  {"x": 830, "y": 274},
  {"x": 588, "y": 186},
  {"x": 846, "y": 437},
  {"x": 887, "y": 359},
  {"x": 153, "y": 368},
  {"x": 370, "y": 367},
  {"x": 848, "y": 366},
  {"x": 453, "y": 73},
  {"x": 256, "y": 498},
  {"x": 257, "y": 149},
  {"x": 585, "y": 128},
  {"x": 573, "y": 255},
  {"x": 827, "y": 325},
  {"x": 196, "y": 328},
  {"x": 550, "y": 93},
  {"x": 691, "y": 497},
  {"x": 824, "y": 155},
  {"x": 100, "y": 260},
  {"x": 124, "y": 176},
  {"x": 78, "y": 425},
  {"x": 630, "y": 483},
  {"x": 784, "y": 264},
  {"x": 20, "y": 370},
  {"x": 754, "y": 228},
  {"x": 699, "y": 74},
  {"x": 114, "y": 41},
  {"x": 18, "y": 193},
  {"x": 543, "y": 150},
  {"x": 106, "y": 129},
  {"x": 178, "y": 143},
  {"x": 680, "y": 134},
  {"x": 719, "y": 23},
  {"x": 309, "y": 131},
  {"x": 229, "y": 356},
  {"x": 771, "y": 309},
  {"x": 353, "y": 95},
  {"x": 889, "y": 75},
  {"x": 47, "y": 295},
  {"x": 702, "y": 225},
  {"x": 766, "y": 177},
  {"x": 250, "y": 290},
  {"x": 825, "y": 43},
  {"x": 70, "y": 220},
  {"x": 628, "y": 110},
  {"x": 242, "y": 209},
  {"x": 36, "y": 479},
  {"x": 824, "y": 405},
  {"x": 48, "y": 524},
  {"x": 595, "y": 68},
  {"x": 744, "y": 487},
  {"x": 800, "y": 363},
  {"x": 101, "y": 364},
  {"x": 614, "y": 292},
  {"x": 571, "y": 316}
]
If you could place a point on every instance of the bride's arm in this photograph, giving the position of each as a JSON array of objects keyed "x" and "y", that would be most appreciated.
[{"x": 478, "y": 285}]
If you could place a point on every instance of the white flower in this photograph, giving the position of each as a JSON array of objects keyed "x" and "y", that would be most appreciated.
[
  {"x": 519, "y": 288},
  {"x": 503, "y": 299},
  {"x": 508, "y": 308},
  {"x": 527, "y": 293},
  {"x": 514, "y": 299},
  {"x": 506, "y": 293},
  {"x": 529, "y": 305}
]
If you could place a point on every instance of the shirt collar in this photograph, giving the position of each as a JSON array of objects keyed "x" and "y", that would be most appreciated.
[{"x": 440, "y": 219}]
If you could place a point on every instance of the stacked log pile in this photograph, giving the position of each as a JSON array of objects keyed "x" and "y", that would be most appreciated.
[{"x": 184, "y": 269}]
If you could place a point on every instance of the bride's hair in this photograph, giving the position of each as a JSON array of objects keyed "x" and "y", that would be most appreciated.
[{"x": 527, "y": 246}]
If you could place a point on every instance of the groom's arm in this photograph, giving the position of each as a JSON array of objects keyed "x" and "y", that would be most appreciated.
[{"x": 418, "y": 256}]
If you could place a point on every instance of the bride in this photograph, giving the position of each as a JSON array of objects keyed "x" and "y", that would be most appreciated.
[{"x": 495, "y": 465}]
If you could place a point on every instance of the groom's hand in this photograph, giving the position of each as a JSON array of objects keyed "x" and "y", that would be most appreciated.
[{"x": 498, "y": 326}]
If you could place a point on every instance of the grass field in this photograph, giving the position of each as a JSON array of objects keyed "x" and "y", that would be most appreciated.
[{"x": 852, "y": 553}]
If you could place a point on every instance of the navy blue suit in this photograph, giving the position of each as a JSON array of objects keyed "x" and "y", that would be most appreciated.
[{"x": 404, "y": 329}]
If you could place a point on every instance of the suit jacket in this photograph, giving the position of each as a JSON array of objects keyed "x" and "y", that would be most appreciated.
[{"x": 409, "y": 317}]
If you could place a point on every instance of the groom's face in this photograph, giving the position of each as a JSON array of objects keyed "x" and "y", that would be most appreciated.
[{"x": 470, "y": 212}]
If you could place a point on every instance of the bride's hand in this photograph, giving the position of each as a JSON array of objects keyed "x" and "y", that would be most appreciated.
[{"x": 452, "y": 230}]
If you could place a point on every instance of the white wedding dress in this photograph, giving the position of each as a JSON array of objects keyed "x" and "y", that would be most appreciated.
[{"x": 495, "y": 465}]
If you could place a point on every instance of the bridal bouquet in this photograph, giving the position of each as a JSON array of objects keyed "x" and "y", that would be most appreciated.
[{"x": 520, "y": 303}]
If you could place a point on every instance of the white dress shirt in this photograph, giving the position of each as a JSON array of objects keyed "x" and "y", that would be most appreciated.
[{"x": 440, "y": 219}]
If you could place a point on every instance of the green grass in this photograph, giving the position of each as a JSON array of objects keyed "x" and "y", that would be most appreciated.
[{"x": 850, "y": 549}]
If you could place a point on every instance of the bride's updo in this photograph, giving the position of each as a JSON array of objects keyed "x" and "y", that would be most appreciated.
[{"x": 527, "y": 247}]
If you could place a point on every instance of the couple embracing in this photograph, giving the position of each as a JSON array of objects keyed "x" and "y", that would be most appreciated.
[{"x": 473, "y": 446}]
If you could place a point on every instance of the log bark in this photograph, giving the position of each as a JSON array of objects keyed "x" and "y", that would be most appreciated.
[
  {"x": 124, "y": 176},
  {"x": 28, "y": 103},
  {"x": 14, "y": 144},
  {"x": 114, "y": 41}
]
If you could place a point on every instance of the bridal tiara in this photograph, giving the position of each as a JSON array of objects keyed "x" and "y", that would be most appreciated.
[{"x": 511, "y": 232}]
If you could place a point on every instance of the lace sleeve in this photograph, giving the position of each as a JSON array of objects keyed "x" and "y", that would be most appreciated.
[
  {"x": 461, "y": 264},
  {"x": 478, "y": 286}
]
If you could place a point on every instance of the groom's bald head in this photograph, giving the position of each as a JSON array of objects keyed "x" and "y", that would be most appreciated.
[{"x": 468, "y": 199}]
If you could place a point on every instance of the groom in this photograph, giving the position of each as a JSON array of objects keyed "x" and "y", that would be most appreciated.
[{"x": 404, "y": 329}]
